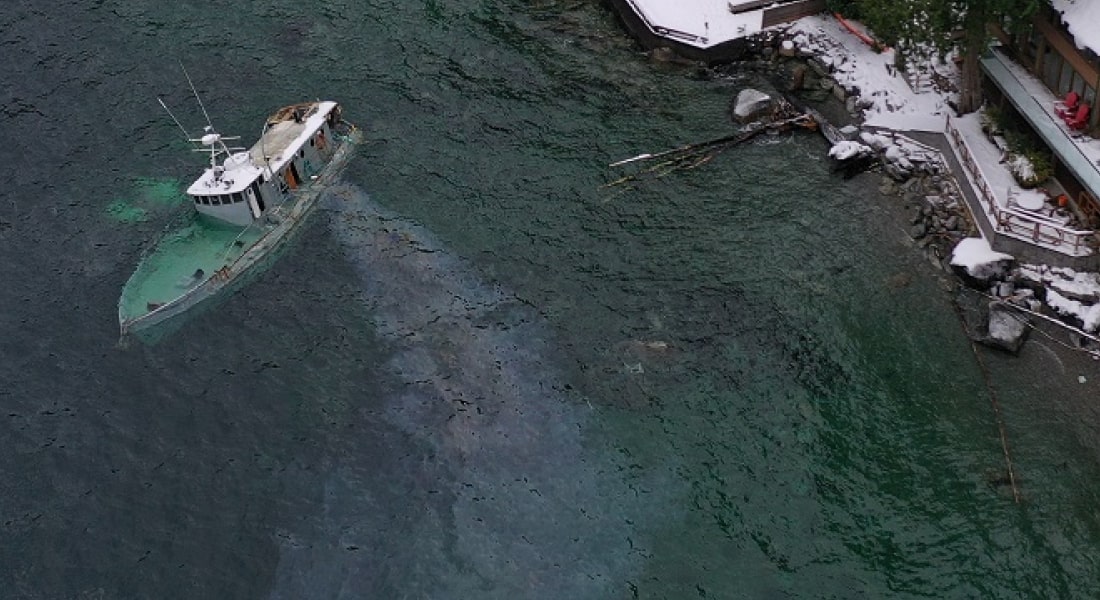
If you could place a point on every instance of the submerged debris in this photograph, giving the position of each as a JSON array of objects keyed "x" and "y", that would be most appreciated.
[{"x": 780, "y": 115}]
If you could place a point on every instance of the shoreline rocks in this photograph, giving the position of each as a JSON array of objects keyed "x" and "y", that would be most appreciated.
[{"x": 940, "y": 219}]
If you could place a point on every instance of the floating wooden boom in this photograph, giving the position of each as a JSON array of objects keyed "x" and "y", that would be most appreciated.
[{"x": 803, "y": 120}]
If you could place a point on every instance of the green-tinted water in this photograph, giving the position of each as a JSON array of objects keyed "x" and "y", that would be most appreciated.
[{"x": 480, "y": 374}]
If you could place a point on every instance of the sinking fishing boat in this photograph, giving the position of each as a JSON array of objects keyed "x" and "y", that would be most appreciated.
[{"x": 247, "y": 203}]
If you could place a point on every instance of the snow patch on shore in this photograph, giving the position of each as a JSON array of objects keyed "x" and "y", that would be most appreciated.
[
  {"x": 1079, "y": 285},
  {"x": 887, "y": 97},
  {"x": 848, "y": 149},
  {"x": 1088, "y": 314},
  {"x": 979, "y": 260}
]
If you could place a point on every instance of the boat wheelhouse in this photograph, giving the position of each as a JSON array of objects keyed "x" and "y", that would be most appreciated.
[{"x": 294, "y": 147}]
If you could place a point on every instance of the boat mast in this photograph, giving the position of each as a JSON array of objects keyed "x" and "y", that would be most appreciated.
[
  {"x": 196, "y": 93},
  {"x": 211, "y": 138},
  {"x": 177, "y": 121}
]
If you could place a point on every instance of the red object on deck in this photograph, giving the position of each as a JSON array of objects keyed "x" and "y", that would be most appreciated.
[
  {"x": 1065, "y": 108},
  {"x": 1079, "y": 119}
]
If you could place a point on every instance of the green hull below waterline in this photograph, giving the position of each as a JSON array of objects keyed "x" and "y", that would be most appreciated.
[{"x": 182, "y": 262}]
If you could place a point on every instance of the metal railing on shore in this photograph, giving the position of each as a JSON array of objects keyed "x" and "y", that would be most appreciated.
[{"x": 1007, "y": 219}]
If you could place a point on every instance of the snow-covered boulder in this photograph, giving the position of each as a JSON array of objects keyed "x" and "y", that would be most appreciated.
[
  {"x": 845, "y": 150},
  {"x": 874, "y": 140},
  {"x": 897, "y": 155},
  {"x": 1088, "y": 315},
  {"x": 997, "y": 324},
  {"x": 750, "y": 105},
  {"x": 1083, "y": 287},
  {"x": 898, "y": 166},
  {"x": 974, "y": 259}
]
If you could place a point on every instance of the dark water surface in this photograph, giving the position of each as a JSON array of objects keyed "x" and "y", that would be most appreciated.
[{"x": 477, "y": 373}]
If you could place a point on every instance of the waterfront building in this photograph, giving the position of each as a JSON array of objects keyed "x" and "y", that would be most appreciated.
[{"x": 1044, "y": 77}]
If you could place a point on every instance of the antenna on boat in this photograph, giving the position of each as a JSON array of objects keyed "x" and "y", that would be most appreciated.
[
  {"x": 165, "y": 106},
  {"x": 193, "y": 91},
  {"x": 213, "y": 142}
]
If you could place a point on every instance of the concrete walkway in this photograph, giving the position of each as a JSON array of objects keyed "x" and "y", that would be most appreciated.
[{"x": 1024, "y": 251}]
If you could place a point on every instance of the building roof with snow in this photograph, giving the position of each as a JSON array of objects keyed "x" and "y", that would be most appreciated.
[
  {"x": 708, "y": 30},
  {"x": 1082, "y": 19}
]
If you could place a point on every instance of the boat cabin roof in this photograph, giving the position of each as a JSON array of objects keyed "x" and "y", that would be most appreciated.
[{"x": 287, "y": 130}]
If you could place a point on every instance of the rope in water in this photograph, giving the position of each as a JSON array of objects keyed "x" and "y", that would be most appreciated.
[{"x": 992, "y": 400}]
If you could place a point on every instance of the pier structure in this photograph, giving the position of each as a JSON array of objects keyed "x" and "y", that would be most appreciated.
[{"x": 707, "y": 30}]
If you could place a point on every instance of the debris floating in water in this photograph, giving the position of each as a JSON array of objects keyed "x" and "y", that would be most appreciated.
[{"x": 784, "y": 117}]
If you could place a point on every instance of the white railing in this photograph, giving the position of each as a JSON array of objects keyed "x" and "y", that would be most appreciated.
[
  {"x": 683, "y": 36},
  {"x": 1008, "y": 219}
]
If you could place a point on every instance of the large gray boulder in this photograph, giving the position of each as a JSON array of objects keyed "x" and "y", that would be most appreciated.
[
  {"x": 750, "y": 105},
  {"x": 1007, "y": 327},
  {"x": 996, "y": 323}
]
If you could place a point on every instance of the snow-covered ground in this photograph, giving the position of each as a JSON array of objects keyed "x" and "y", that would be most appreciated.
[
  {"x": 706, "y": 23},
  {"x": 890, "y": 99}
]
